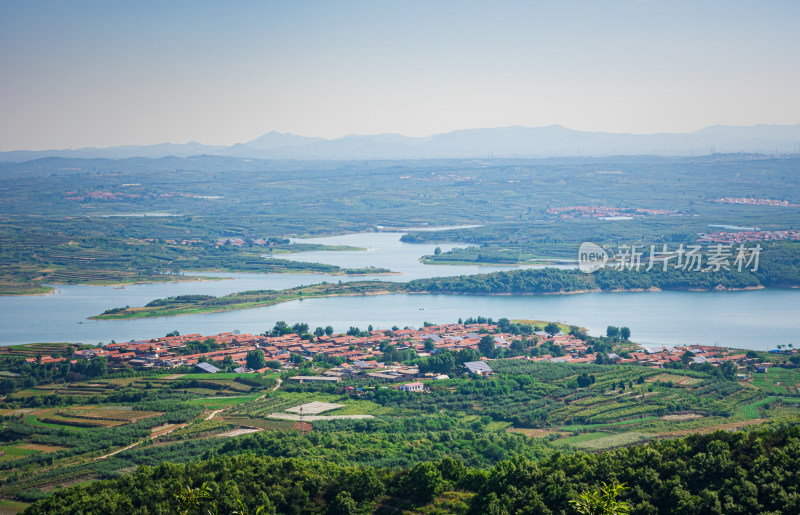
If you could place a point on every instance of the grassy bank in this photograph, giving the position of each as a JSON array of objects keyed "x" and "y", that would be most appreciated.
[{"x": 196, "y": 304}]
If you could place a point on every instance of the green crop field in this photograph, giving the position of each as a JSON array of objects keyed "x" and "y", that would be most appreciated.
[
  {"x": 219, "y": 402},
  {"x": 778, "y": 380},
  {"x": 612, "y": 441},
  {"x": 11, "y": 452},
  {"x": 751, "y": 410}
]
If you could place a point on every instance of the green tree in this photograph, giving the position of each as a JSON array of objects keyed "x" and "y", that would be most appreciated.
[
  {"x": 364, "y": 485},
  {"x": 423, "y": 482},
  {"x": 552, "y": 328},
  {"x": 343, "y": 504},
  {"x": 255, "y": 359},
  {"x": 281, "y": 328},
  {"x": 97, "y": 366},
  {"x": 576, "y": 331},
  {"x": 625, "y": 333},
  {"x": 601, "y": 502},
  {"x": 729, "y": 370},
  {"x": 189, "y": 499},
  {"x": 486, "y": 346},
  {"x": 453, "y": 470},
  {"x": 228, "y": 362},
  {"x": 584, "y": 380},
  {"x": 465, "y": 355}
]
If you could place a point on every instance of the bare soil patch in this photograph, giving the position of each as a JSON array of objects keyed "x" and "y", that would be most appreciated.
[
  {"x": 314, "y": 418},
  {"x": 536, "y": 433},
  {"x": 731, "y": 426},
  {"x": 41, "y": 447},
  {"x": 314, "y": 408},
  {"x": 240, "y": 431},
  {"x": 687, "y": 416}
]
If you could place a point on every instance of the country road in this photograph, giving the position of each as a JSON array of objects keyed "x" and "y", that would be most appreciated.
[
  {"x": 209, "y": 417},
  {"x": 179, "y": 426}
]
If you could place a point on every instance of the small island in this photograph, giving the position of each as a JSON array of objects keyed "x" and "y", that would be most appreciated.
[
  {"x": 540, "y": 281},
  {"x": 196, "y": 304}
]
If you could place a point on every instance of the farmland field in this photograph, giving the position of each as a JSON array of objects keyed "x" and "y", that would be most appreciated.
[
  {"x": 217, "y": 402},
  {"x": 532, "y": 408},
  {"x": 778, "y": 380}
]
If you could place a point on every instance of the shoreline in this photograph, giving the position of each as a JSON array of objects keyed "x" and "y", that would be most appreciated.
[
  {"x": 273, "y": 302},
  {"x": 543, "y": 262},
  {"x": 282, "y": 296},
  {"x": 236, "y": 308},
  {"x": 191, "y": 278},
  {"x": 24, "y": 294},
  {"x": 54, "y": 286}
]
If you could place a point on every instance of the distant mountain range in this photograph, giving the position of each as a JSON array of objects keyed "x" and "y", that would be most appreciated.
[{"x": 550, "y": 141}]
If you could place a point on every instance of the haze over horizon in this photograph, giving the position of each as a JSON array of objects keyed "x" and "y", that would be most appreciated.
[{"x": 96, "y": 74}]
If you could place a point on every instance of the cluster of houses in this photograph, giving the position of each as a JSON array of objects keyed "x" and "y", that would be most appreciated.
[
  {"x": 755, "y": 201},
  {"x": 108, "y": 195},
  {"x": 361, "y": 355},
  {"x": 700, "y": 354},
  {"x": 359, "y": 352},
  {"x": 571, "y": 212},
  {"x": 731, "y": 238},
  {"x": 236, "y": 242},
  {"x": 239, "y": 242}
]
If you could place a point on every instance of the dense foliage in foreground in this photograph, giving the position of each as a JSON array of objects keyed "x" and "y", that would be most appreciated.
[{"x": 722, "y": 472}]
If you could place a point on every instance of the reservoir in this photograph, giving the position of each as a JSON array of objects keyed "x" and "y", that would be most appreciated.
[{"x": 759, "y": 319}]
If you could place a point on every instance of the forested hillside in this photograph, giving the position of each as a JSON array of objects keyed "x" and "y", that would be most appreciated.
[{"x": 731, "y": 473}]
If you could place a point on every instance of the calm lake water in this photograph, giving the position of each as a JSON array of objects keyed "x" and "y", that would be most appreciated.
[{"x": 750, "y": 319}]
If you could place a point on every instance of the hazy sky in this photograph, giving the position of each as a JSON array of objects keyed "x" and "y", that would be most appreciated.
[{"x": 76, "y": 73}]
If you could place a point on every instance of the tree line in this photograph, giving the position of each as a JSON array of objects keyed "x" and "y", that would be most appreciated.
[{"x": 722, "y": 472}]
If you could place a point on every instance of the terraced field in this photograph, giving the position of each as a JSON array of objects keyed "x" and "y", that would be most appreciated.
[
  {"x": 675, "y": 379},
  {"x": 777, "y": 380},
  {"x": 599, "y": 441},
  {"x": 123, "y": 414},
  {"x": 103, "y": 390},
  {"x": 88, "y": 416},
  {"x": 37, "y": 349}
]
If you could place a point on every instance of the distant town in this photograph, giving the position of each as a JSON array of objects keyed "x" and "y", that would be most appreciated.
[
  {"x": 573, "y": 212},
  {"x": 748, "y": 236},
  {"x": 755, "y": 201}
]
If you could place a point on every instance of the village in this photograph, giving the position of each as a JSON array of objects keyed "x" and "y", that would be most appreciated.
[
  {"x": 574, "y": 212},
  {"x": 360, "y": 355},
  {"x": 731, "y": 238},
  {"x": 751, "y": 201}
]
